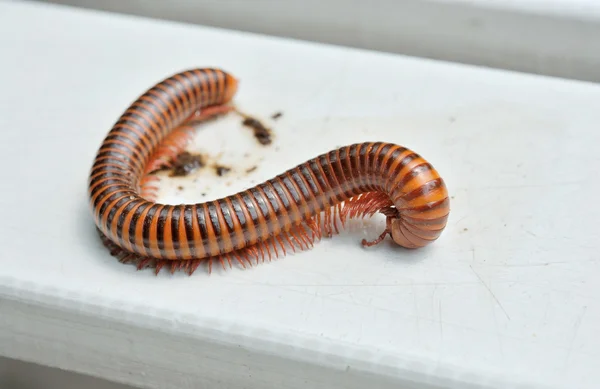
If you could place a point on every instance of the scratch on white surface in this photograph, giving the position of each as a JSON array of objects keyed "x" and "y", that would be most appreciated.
[
  {"x": 525, "y": 265},
  {"x": 457, "y": 222},
  {"x": 525, "y": 186},
  {"x": 440, "y": 318},
  {"x": 531, "y": 233},
  {"x": 576, "y": 328},
  {"x": 366, "y": 284},
  {"x": 489, "y": 290},
  {"x": 416, "y": 311}
]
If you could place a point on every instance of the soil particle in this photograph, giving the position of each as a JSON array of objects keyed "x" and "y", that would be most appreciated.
[
  {"x": 186, "y": 163},
  {"x": 261, "y": 133}
]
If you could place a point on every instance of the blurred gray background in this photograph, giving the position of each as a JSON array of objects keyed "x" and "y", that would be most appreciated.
[{"x": 556, "y": 38}]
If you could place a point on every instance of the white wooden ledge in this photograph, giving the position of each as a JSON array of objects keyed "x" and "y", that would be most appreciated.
[{"x": 507, "y": 298}]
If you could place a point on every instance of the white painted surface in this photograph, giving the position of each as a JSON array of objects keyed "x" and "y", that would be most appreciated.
[
  {"x": 551, "y": 37},
  {"x": 507, "y": 296}
]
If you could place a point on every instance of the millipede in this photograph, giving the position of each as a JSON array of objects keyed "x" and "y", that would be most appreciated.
[{"x": 288, "y": 212}]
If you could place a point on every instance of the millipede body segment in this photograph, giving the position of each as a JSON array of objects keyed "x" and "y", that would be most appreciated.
[{"x": 289, "y": 211}]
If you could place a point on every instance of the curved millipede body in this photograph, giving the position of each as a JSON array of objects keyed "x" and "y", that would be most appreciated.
[{"x": 291, "y": 210}]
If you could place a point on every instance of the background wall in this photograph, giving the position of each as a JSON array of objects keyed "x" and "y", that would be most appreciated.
[
  {"x": 550, "y": 37},
  {"x": 22, "y": 375}
]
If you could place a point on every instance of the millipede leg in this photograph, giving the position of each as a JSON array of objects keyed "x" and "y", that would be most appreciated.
[
  {"x": 209, "y": 113},
  {"x": 167, "y": 151},
  {"x": 122, "y": 255},
  {"x": 149, "y": 187},
  {"x": 174, "y": 143},
  {"x": 180, "y": 137},
  {"x": 297, "y": 238},
  {"x": 380, "y": 238}
]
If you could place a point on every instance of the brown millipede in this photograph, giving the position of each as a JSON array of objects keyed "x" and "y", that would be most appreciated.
[{"x": 291, "y": 210}]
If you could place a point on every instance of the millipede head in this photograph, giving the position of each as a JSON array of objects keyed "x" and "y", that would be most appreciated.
[
  {"x": 232, "y": 87},
  {"x": 421, "y": 225}
]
